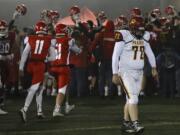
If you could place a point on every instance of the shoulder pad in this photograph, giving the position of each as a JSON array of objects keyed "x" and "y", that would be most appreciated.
[{"x": 118, "y": 36}]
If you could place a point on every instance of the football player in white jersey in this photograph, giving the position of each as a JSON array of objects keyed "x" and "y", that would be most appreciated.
[{"x": 127, "y": 65}]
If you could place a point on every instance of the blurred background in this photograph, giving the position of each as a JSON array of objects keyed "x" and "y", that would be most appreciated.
[{"x": 113, "y": 8}]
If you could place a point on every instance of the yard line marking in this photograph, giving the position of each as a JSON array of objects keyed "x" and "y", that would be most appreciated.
[{"x": 90, "y": 128}]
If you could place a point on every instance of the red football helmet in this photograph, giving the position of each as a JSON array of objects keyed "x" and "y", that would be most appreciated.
[
  {"x": 61, "y": 30},
  {"x": 54, "y": 14},
  {"x": 3, "y": 28},
  {"x": 169, "y": 10},
  {"x": 136, "y": 12},
  {"x": 41, "y": 27},
  {"x": 136, "y": 23},
  {"x": 137, "y": 26},
  {"x": 21, "y": 8},
  {"x": 74, "y": 10}
]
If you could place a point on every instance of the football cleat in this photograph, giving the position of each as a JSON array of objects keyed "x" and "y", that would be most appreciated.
[
  {"x": 137, "y": 127},
  {"x": 57, "y": 114},
  {"x": 3, "y": 112},
  {"x": 40, "y": 115},
  {"x": 127, "y": 127},
  {"x": 69, "y": 108},
  {"x": 23, "y": 116}
]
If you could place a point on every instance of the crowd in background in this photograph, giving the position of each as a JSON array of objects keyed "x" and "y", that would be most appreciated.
[{"x": 91, "y": 71}]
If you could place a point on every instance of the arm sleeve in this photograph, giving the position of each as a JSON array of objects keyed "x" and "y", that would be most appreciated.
[
  {"x": 118, "y": 48},
  {"x": 24, "y": 56},
  {"x": 11, "y": 23},
  {"x": 26, "y": 40},
  {"x": 73, "y": 47},
  {"x": 52, "y": 52},
  {"x": 150, "y": 55}
]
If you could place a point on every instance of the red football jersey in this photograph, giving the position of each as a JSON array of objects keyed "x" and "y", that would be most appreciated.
[
  {"x": 39, "y": 46},
  {"x": 62, "y": 52}
]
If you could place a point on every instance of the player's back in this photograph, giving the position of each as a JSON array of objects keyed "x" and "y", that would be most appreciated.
[
  {"x": 39, "y": 46},
  {"x": 62, "y": 51}
]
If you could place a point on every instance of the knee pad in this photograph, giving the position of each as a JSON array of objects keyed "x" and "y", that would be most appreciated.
[
  {"x": 133, "y": 99},
  {"x": 62, "y": 90}
]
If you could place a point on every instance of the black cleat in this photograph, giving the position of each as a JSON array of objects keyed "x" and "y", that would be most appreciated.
[
  {"x": 127, "y": 127},
  {"x": 137, "y": 127}
]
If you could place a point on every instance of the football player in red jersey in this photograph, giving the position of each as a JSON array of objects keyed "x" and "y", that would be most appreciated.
[
  {"x": 36, "y": 51},
  {"x": 60, "y": 67},
  {"x": 105, "y": 41}
]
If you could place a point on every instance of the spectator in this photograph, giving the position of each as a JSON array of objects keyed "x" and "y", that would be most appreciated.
[{"x": 167, "y": 63}]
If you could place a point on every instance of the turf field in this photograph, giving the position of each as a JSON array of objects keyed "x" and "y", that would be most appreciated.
[{"x": 93, "y": 116}]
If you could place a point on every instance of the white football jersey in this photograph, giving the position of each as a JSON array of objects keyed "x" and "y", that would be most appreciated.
[{"x": 129, "y": 53}]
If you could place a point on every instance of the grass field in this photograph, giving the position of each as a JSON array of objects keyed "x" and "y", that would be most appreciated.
[{"x": 93, "y": 116}]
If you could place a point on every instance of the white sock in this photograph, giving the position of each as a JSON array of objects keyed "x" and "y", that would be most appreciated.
[
  {"x": 39, "y": 98},
  {"x": 66, "y": 103},
  {"x": 57, "y": 108},
  {"x": 29, "y": 98}
]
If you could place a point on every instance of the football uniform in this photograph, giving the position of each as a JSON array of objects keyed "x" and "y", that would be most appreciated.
[
  {"x": 131, "y": 51},
  {"x": 36, "y": 50},
  {"x": 6, "y": 56},
  {"x": 60, "y": 67}
]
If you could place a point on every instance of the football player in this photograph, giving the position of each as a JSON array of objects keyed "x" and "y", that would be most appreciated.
[
  {"x": 127, "y": 64},
  {"x": 136, "y": 12},
  {"x": 37, "y": 49},
  {"x": 60, "y": 67},
  {"x": 121, "y": 22},
  {"x": 105, "y": 41},
  {"x": 7, "y": 47}
]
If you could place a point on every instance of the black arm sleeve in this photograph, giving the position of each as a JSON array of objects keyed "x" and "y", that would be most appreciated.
[{"x": 11, "y": 23}]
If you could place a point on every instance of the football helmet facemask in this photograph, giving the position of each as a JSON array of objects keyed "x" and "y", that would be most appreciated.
[{"x": 3, "y": 28}]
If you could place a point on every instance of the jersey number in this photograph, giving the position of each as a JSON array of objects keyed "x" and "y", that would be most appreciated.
[
  {"x": 58, "y": 51},
  {"x": 39, "y": 46},
  {"x": 5, "y": 48},
  {"x": 136, "y": 49}
]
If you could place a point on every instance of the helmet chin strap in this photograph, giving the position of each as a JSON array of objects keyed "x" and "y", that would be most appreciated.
[{"x": 138, "y": 34}]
